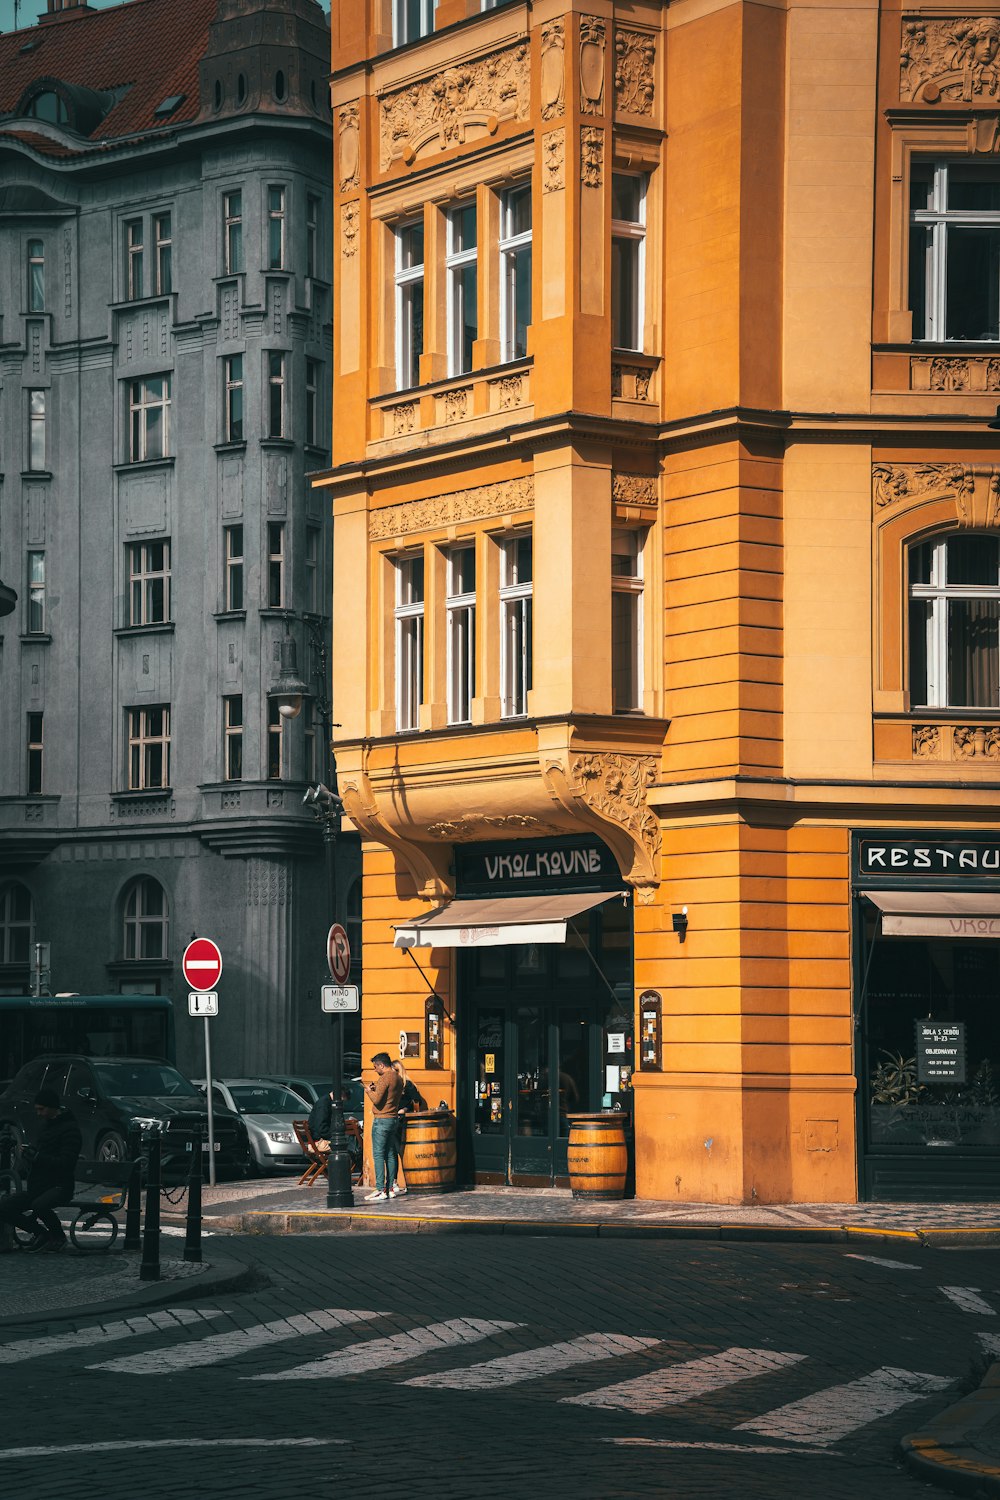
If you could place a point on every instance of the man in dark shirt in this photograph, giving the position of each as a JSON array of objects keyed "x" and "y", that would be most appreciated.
[{"x": 50, "y": 1176}]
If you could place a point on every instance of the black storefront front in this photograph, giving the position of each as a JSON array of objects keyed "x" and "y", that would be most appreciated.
[
  {"x": 927, "y": 1014},
  {"x": 543, "y": 937}
]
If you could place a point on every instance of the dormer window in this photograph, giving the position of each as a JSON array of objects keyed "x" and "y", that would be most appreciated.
[{"x": 49, "y": 106}]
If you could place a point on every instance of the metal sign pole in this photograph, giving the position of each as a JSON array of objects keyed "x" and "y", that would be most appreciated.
[{"x": 208, "y": 1098}]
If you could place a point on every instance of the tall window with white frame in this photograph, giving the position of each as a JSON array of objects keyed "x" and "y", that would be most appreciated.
[
  {"x": 148, "y": 748},
  {"x": 17, "y": 922},
  {"x": 37, "y": 443},
  {"x": 36, "y": 276},
  {"x": 275, "y": 564},
  {"x": 144, "y": 925},
  {"x": 233, "y": 568},
  {"x": 233, "y": 376},
  {"x": 626, "y": 620},
  {"x": 163, "y": 249},
  {"x": 412, "y": 19},
  {"x": 232, "y": 232},
  {"x": 409, "y": 303},
  {"x": 35, "y": 750},
  {"x": 314, "y": 374},
  {"x": 149, "y": 582},
  {"x": 133, "y": 259},
  {"x": 275, "y": 741},
  {"x": 515, "y": 625},
  {"x": 275, "y": 228},
  {"x": 35, "y": 621},
  {"x": 409, "y": 641},
  {"x": 628, "y": 236},
  {"x": 955, "y": 622},
  {"x": 955, "y": 251},
  {"x": 515, "y": 272},
  {"x": 313, "y": 211},
  {"x": 463, "y": 318},
  {"x": 460, "y": 603},
  {"x": 149, "y": 418},
  {"x": 232, "y": 733},
  {"x": 275, "y": 394},
  {"x": 314, "y": 586}
]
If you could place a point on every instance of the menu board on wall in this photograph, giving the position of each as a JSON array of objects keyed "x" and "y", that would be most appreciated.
[{"x": 940, "y": 1051}]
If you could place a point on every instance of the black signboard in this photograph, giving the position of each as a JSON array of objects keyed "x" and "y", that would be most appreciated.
[
  {"x": 940, "y": 1051},
  {"x": 522, "y": 866},
  {"x": 901, "y": 860}
]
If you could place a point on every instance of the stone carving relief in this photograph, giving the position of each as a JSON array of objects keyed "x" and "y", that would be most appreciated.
[
  {"x": 465, "y": 101},
  {"x": 630, "y": 382},
  {"x": 950, "y": 373},
  {"x": 267, "y": 883},
  {"x": 977, "y": 742},
  {"x": 952, "y": 60},
  {"x": 612, "y": 788},
  {"x": 33, "y": 812},
  {"x": 591, "y": 156},
  {"x": 404, "y": 417},
  {"x": 553, "y": 71},
  {"x": 456, "y": 404},
  {"x": 349, "y": 219},
  {"x": 593, "y": 42},
  {"x": 473, "y": 826},
  {"x": 503, "y": 498},
  {"x": 350, "y": 147},
  {"x": 230, "y": 801},
  {"x": 510, "y": 391},
  {"x": 553, "y": 161},
  {"x": 635, "y": 62},
  {"x": 428, "y": 866},
  {"x": 974, "y": 488},
  {"x": 633, "y": 489},
  {"x": 926, "y": 742}
]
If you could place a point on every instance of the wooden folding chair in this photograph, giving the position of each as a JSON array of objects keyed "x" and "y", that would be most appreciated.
[
  {"x": 318, "y": 1158},
  {"x": 353, "y": 1132}
]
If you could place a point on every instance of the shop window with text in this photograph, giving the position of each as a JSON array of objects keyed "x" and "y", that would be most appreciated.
[
  {"x": 17, "y": 923},
  {"x": 275, "y": 228},
  {"x": 955, "y": 252},
  {"x": 275, "y": 564},
  {"x": 461, "y": 611},
  {"x": 463, "y": 319},
  {"x": 232, "y": 731},
  {"x": 515, "y": 625},
  {"x": 409, "y": 641},
  {"x": 36, "y": 276},
  {"x": 412, "y": 19},
  {"x": 628, "y": 233},
  {"x": 409, "y": 303},
  {"x": 233, "y": 565},
  {"x": 35, "y": 621},
  {"x": 954, "y": 616},
  {"x": 144, "y": 920},
  {"x": 133, "y": 259},
  {"x": 275, "y": 741},
  {"x": 35, "y": 753},
  {"x": 626, "y": 621},
  {"x": 233, "y": 376},
  {"x": 515, "y": 272},
  {"x": 148, "y": 748},
  {"x": 232, "y": 233},
  {"x": 149, "y": 582},
  {"x": 275, "y": 394},
  {"x": 163, "y": 249},
  {"x": 149, "y": 418},
  {"x": 37, "y": 435}
]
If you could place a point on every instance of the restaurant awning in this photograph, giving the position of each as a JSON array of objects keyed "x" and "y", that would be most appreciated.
[
  {"x": 491, "y": 921},
  {"x": 947, "y": 914}
]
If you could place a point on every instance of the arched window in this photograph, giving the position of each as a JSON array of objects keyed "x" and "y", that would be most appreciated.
[
  {"x": 954, "y": 617},
  {"x": 49, "y": 106},
  {"x": 145, "y": 919},
  {"x": 17, "y": 920},
  {"x": 241, "y": 88},
  {"x": 280, "y": 87}
]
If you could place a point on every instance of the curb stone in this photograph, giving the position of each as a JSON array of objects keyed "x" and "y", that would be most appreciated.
[
  {"x": 221, "y": 1276},
  {"x": 946, "y": 1451}
]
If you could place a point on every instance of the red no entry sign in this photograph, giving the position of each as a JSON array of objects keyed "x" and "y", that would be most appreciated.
[{"x": 202, "y": 964}]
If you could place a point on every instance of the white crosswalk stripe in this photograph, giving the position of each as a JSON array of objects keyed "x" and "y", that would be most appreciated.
[
  {"x": 832, "y": 1413},
  {"x": 678, "y": 1383},
  {"x": 968, "y": 1299},
  {"x": 880, "y": 1260},
  {"x": 220, "y": 1346},
  {"x": 532, "y": 1364},
  {"x": 106, "y": 1333},
  {"x": 377, "y": 1354}
]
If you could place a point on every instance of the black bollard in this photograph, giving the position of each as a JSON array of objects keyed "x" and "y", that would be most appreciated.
[
  {"x": 192, "y": 1224},
  {"x": 149, "y": 1270},
  {"x": 339, "y": 1193},
  {"x": 133, "y": 1203}
]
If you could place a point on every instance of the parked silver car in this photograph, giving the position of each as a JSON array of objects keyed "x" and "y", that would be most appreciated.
[
  {"x": 267, "y": 1109},
  {"x": 312, "y": 1086}
]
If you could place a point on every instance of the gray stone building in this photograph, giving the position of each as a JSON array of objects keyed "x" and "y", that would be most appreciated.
[{"x": 165, "y": 270}]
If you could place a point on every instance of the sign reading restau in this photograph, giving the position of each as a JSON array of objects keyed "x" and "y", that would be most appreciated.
[
  {"x": 940, "y": 1051},
  {"x": 339, "y": 997}
]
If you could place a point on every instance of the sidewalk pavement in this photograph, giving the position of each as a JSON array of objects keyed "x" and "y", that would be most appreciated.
[{"x": 959, "y": 1449}]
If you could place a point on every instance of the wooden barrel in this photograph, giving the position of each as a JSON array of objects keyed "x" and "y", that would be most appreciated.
[
  {"x": 598, "y": 1156},
  {"x": 429, "y": 1154}
]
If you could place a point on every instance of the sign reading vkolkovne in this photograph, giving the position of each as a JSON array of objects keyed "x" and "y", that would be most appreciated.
[
  {"x": 888, "y": 859},
  {"x": 526, "y": 865},
  {"x": 940, "y": 1051}
]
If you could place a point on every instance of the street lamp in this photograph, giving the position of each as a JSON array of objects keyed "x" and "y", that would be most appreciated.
[{"x": 324, "y": 801}]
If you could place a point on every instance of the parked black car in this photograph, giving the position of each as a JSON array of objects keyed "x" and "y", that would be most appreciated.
[{"x": 108, "y": 1094}]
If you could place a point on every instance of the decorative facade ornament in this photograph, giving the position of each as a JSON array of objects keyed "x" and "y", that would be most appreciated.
[
  {"x": 976, "y": 742},
  {"x": 553, "y": 71},
  {"x": 617, "y": 379},
  {"x": 892, "y": 483},
  {"x": 440, "y": 111},
  {"x": 633, "y": 489},
  {"x": 510, "y": 391},
  {"x": 591, "y": 156},
  {"x": 635, "y": 64},
  {"x": 553, "y": 161},
  {"x": 350, "y": 147},
  {"x": 949, "y": 374},
  {"x": 404, "y": 417},
  {"x": 267, "y": 883},
  {"x": 503, "y": 498},
  {"x": 593, "y": 41},
  {"x": 606, "y": 791},
  {"x": 473, "y": 825},
  {"x": 456, "y": 404},
  {"x": 350, "y": 215},
  {"x": 427, "y": 866},
  {"x": 926, "y": 742},
  {"x": 955, "y": 60},
  {"x": 953, "y": 373},
  {"x": 642, "y": 385}
]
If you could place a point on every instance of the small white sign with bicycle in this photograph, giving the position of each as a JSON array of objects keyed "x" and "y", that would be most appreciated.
[
  {"x": 339, "y": 997},
  {"x": 203, "y": 1003}
]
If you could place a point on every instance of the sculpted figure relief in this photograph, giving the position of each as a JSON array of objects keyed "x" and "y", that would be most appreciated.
[
  {"x": 439, "y": 109},
  {"x": 956, "y": 59},
  {"x": 635, "y": 58}
]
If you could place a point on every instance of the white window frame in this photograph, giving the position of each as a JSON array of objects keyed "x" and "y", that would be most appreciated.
[
  {"x": 460, "y": 609},
  {"x": 13, "y": 925},
  {"x": 38, "y": 441},
  {"x": 314, "y": 382},
  {"x": 400, "y": 28},
  {"x": 313, "y": 212},
  {"x": 314, "y": 602},
  {"x": 163, "y": 252},
  {"x": 938, "y": 219},
  {"x": 142, "y": 401},
  {"x": 142, "y": 576},
  {"x": 233, "y": 565},
  {"x": 35, "y": 754},
  {"x": 275, "y": 741},
  {"x": 233, "y": 249},
  {"x": 457, "y": 261},
  {"x": 407, "y": 279},
  {"x": 136, "y": 920},
  {"x": 135, "y": 246},
  {"x": 631, "y": 586},
  {"x": 277, "y": 364},
  {"x": 939, "y": 593},
  {"x": 276, "y": 221},
  {"x": 511, "y": 247},
  {"x": 516, "y": 659},
  {"x": 35, "y": 591},
  {"x": 633, "y": 232},
  {"x": 36, "y": 275},
  {"x": 409, "y": 615},
  {"x": 232, "y": 734},
  {"x": 142, "y": 741},
  {"x": 235, "y": 391},
  {"x": 276, "y": 569}
]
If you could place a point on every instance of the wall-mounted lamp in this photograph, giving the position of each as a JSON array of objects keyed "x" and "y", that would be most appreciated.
[
  {"x": 679, "y": 922},
  {"x": 289, "y": 689}
]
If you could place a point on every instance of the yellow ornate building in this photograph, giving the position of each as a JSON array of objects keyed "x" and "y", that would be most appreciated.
[{"x": 667, "y": 579}]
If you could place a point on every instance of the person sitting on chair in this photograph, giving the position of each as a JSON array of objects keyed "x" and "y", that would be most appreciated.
[{"x": 50, "y": 1176}]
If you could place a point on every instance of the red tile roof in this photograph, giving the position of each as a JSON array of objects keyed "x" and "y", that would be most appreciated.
[{"x": 148, "y": 48}]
